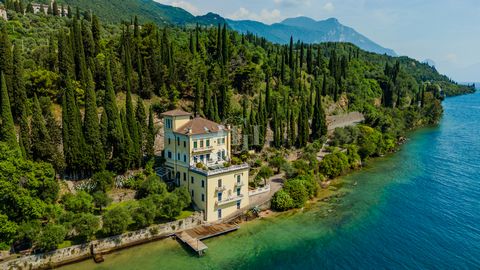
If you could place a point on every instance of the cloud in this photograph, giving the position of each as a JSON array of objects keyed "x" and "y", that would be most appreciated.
[
  {"x": 265, "y": 15},
  {"x": 182, "y": 4},
  {"x": 292, "y": 3},
  {"x": 452, "y": 58},
  {"x": 329, "y": 7}
]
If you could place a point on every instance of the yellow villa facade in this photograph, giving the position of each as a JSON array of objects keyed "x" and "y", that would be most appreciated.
[{"x": 198, "y": 153}]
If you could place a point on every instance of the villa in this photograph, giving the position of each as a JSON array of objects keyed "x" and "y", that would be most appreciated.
[
  {"x": 3, "y": 13},
  {"x": 198, "y": 154}
]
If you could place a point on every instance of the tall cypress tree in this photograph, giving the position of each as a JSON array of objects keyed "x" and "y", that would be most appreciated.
[
  {"x": 141, "y": 117},
  {"x": 24, "y": 135},
  {"x": 19, "y": 95},
  {"x": 6, "y": 59},
  {"x": 150, "y": 145},
  {"x": 73, "y": 140},
  {"x": 91, "y": 129},
  {"x": 128, "y": 156},
  {"x": 7, "y": 127},
  {"x": 319, "y": 122},
  {"x": 290, "y": 55},
  {"x": 197, "y": 99},
  {"x": 96, "y": 30},
  {"x": 133, "y": 133},
  {"x": 41, "y": 147}
]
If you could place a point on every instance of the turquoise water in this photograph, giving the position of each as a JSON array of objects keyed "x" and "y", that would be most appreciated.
[{"x": 417, "y": 209}]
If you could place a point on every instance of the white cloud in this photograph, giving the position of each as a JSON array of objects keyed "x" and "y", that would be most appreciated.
[
  {"x": 182, "y": 4},
  {"x": 292, "y": 3},
  {"x": 329, "y": 7},
  {"x": 265, "y": 15}
]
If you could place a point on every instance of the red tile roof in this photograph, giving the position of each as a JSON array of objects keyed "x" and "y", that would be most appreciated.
[{"x": 199, "y": 125}]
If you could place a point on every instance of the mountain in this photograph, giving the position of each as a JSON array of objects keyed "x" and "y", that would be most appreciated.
[
  {"x": 301, "y": 28},
  {"x": 309, "y": 31}
]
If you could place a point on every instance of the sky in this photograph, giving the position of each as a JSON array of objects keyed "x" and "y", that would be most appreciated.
[{"x": 445, "y": 31}]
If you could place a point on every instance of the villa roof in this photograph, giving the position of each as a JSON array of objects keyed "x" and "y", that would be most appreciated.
[
  {"x": 176, "y": 112},
  {"x": 198, "y": 126}
]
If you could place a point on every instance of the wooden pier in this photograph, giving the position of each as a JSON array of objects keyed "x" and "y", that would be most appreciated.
[{"x": 193, "y": 237}]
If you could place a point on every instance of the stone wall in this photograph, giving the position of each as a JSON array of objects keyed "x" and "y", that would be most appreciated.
[{"x": 101, "y": 246}]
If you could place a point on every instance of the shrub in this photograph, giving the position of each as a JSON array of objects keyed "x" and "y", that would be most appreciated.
[
  {"x": 116, "y": 221},
  {"x": 86, "y": 225},
  {"x": 335, "y": 164},
  {"x": 81, "y": 202},
  {"x": 103, "y": 181},
  {"x": 297, "y": 191},
  {"x": 152, "y": 185},
  {"x": 282, "y": 201}
]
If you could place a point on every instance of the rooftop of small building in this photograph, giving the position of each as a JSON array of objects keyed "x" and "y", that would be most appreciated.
[
  {"x": 199, "y": 125},
  {"x": 176, "y": 112}
]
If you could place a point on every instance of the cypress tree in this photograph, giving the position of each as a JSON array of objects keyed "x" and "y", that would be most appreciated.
[
  {"x": 149, "y": 148},
  {"x": 19, "y": 93},
  {"x": 6, "y": 59},
  {"x": 55, "y": 9},
  {"x": 41, "y": 146},
  {"x": 128, "y": 157},
  {"x": 91, "y": 129},
  {"x": 198, "y": 98},
  {"x": 54, "y": 129},
  {"x": 319, "y": 122},
  {"x": 66, "y": 65},
  {"x": 142, "y": 123},
  {"x": 225, "y": 45},
  {"x": 290, "y": 56},
  {"x": 29, "y": 8},
  {"x": 73, "y": 140},
  {"x": 96, "y": 30},
  {"x": 207, "y": 101},
  {"x": 268, "y": 102},
  {"x": 115, "y": 138},
  {"x": 7, "y": 127},
  {"x": 133, "y": 132},
  {"x": 25, "y": 135}
]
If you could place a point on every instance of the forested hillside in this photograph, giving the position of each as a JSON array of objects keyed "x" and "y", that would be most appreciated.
[{"x": 79, "y": 98}]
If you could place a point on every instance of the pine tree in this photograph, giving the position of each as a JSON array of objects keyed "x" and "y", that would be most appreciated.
[
  {"x": 18, "y": 92},
  {"x": 91, "y": 129},
  {"x": 7, "y": 127}
]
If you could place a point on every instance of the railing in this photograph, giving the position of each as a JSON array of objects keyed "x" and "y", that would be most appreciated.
[
  {"x": 220, "y": 188},
  {"x": 202, "y": 149},
  {"x": 239, "y": 184},
  {"x": 229, "y": 200},
  {"x": 260, "y": 190},
  {"x": 220, "y": 170}
]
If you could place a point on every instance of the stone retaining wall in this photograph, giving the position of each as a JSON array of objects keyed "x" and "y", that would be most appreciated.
[{"x": 101, "y": 246}]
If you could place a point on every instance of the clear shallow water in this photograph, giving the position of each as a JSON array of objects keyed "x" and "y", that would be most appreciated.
[{"x": 418, "y": 209}]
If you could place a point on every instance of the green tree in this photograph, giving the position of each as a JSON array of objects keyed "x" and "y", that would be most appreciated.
[
  {"x": 50, "y": 237},
  {"x": 81, "y": 202},
  {"x": 101, "y": 199},
  {"x": 86, "y": 225},
  {"x": 116, "y": 221},
  {"x": 264, "y": 173},
  {"x": 282, "y": 201},
  {"x": 7, "y": 127},
  {"x": 152, "y": 185}
]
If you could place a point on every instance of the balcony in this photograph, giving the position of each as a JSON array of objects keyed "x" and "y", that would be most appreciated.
[
  {"x": 229, "y": 200},
  {"x": 202, "y": 149},
  {"x": 239, "y": 184},
  {"x": 218, "y": 169},
  {"x": 220, "y": 188}
]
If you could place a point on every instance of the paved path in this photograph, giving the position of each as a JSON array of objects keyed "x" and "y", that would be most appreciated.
[
  {"x": 276, "y": 183},
  {"x": 344, "y": 120}
]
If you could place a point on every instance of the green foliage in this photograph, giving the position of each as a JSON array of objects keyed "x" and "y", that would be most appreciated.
[
  {"x": 282, "y": 201},
  {"x": 103, "y": 181},
  {"x": 81, "y": 202},
  {"x": 297, "y": 191},
  {"x": 116, "y": 221},
  {"x": 101, "y": 199},
  {"x": 49, "y": 237},
  {"x": 334, "y": 164},
  {"x": 152, "y": 185},
  {"x": 86, "y": 225}
]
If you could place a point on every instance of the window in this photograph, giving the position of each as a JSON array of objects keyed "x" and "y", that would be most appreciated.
[
  {"x": 219, "y": 155},
  {"x": 203, "y": 183},
  {"x": 184, "y": 143},
  {"x": 201, "y": 143},
  {"x": 219, "y": 196},
  {"x": 208, "y": 157},
  {"x": 169, "y": 154},
  {"x": 219, "y": 211},
  {"x": 195, "y": 144},
  {"x": 178, "y": 141},
  {"x": 195, "y": 159},
  {"x": 203, "y": 197},
  {"x": 192, "y": 179},
  {"x": 238, "y": 179},
  {"x": 184, "y": 176},
  {"x": 238, "y": 204},
  {"x": 208, "y": 142},
  {"x": 202, "y": 158},
  {"x": 168, "y": 140},
  {"x": 238, "y": 191},
  {"x": 219, "y": 182},
  {"x": 168, "y": 123},
  {"x": 178, "y": 156},
  {"x": 193, "y": 193},
  {"x": 184, "y": 158}
]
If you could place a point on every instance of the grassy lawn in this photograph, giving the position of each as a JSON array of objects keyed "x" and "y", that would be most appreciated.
[
  {"x": 66, "y": 243},
  {"x": 184, "y": 214}
]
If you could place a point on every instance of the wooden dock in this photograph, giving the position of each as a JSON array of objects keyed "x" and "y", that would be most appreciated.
[{"x": 193, "y": 237}]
